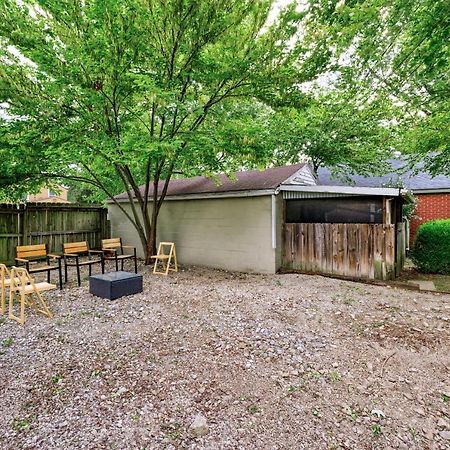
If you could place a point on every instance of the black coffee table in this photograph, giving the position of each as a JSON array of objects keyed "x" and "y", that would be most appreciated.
[{"x": 113, "y": 285}]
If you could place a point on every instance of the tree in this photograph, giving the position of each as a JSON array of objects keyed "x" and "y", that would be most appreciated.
[
  {"x": 336, "y": 130},
  {"x": 400, "y": 50},
  {"x": 122, "y": 94}
]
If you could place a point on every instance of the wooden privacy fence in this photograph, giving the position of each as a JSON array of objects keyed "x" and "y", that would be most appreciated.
[
  {"x": 354, "y": 250},
  {"x": 50, "y": 223}
]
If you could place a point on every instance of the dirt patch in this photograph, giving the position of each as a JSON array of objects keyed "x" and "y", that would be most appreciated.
[{"x": 271, "y": 362}]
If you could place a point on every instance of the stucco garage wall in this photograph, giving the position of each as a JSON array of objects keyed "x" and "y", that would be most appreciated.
[{"x": 226, "y": 233}]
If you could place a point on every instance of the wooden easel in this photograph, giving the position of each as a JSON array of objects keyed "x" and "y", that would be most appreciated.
[
  {"x": 22, "y": 288},
  {"x": 168, "y": 260}
]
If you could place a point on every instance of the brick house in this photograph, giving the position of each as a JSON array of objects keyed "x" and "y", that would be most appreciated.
[{"x": 432, "y": 193}]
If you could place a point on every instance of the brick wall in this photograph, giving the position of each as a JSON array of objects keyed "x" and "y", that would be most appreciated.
[{"x": 430, "y": 207}]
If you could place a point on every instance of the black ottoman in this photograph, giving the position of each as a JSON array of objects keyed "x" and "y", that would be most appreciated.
[{"x": 113, "y": 285}]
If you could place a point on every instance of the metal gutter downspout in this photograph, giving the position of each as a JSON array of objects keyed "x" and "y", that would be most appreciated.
[{"x": 274, "y": 218}]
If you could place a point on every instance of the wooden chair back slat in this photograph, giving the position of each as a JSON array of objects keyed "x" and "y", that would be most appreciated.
[
  {"x": 76, "y": 247},
  {"x": 31, "y": 251},
  {"x": 111, "y": 243}
]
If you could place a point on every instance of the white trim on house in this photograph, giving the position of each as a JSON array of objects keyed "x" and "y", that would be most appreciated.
[
  {"x": 229, "y": 194},
  {"x": 351, "y": 190},
  {"x": 431, "y": 191}
]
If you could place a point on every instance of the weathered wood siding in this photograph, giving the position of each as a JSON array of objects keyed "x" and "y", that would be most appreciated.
[
  {"x": 354, "y": 250},
  {"x": 51, "y": 224}
]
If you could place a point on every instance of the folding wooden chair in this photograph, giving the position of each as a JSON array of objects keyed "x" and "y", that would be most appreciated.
[
  {"x": 23, "y": 288},
  {"x": 5, "y": 281},
  {"x": 168, "y": 260}
]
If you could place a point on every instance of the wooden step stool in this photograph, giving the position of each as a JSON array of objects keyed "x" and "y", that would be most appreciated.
[
  {"x": 22, "y": 288},
  {"x": 168, "y": 260}
]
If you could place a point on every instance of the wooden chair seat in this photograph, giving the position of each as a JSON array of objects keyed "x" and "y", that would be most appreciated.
[
  {"x": 42, "y": 268},
  {"x": 119, "y": 257},
  {"x": 84, "y": 263}
]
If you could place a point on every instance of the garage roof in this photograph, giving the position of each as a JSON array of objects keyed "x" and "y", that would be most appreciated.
[{"x": 253, "y": 180}]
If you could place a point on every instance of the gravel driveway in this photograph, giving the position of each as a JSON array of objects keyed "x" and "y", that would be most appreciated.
[{"x": 270, "y": 361}]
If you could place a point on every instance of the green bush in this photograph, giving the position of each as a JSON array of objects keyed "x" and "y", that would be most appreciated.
[{"x": 431, "y": 250}]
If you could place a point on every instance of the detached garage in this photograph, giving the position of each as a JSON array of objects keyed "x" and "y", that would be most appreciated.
[{"x": 278, "y": 218}]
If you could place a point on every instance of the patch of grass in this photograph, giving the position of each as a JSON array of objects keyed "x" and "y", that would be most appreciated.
[
  {"x": 8, "y": 342},
  {"x": 56, "y": 379},
  {"x": 412, "y": 432},
  {"x": 29, "y": 404},
  {"x": 20, "y": 424},
  {"x": 376, "y": 429},
  {"x": 96, "y": 373},
  {"x": 349, "y": 301},
  {"x": 316, "y": 412},
  {"x": 278, "y": 283},
  {"x": 253, "y": 409},
  {"x": 314, "y": 374},
  {"x": 352, "y": 413},
  {"x": 334, "y": 376},
  {"x": 442, "y": 282},
  {"x": 2, "y": 320},
  {"x": 445, "y": 398},
  {"x": 172, "y": 431},
  {"x": 294, "y": 388}
]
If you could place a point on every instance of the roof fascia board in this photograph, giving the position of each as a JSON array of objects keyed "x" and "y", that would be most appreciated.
[
  {"x": 235, "y": 194},
  {"x": 392, "y": 192},
  {"x": 431, "y": 191}
]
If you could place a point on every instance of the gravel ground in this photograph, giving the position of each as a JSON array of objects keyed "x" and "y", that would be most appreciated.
[{"x": 270, "y": 361}]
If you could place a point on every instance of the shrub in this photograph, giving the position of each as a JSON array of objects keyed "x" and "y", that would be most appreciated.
[{"x": 431, "y": 250}]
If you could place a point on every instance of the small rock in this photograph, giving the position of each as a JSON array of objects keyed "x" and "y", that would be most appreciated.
[
  {"x": 428, "y": 433},
  {"x": 420, "y": 411},
  {"x": 199, "y": 426},
  {"x": 445, "y": 435},
  {"x": 442, "y": 423},
  {"x": 378, "y": 413}
]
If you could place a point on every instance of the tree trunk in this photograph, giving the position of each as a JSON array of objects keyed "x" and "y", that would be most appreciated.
[{"x": 151, "y": 240}]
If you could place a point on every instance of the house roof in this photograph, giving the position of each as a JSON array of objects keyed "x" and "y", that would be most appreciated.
[
  {"x": 421, "y": 182},
  {"x": 253, "y": 180}
]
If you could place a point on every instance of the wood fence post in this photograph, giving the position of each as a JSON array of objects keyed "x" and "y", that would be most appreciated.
[{"x": 25, "y": 225}]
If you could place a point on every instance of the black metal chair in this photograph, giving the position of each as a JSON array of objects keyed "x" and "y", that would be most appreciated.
[
  {"x": 32, "y": 257},
  {"x": 114, "y": 251},
  {"x": 73, "y": 251}
]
